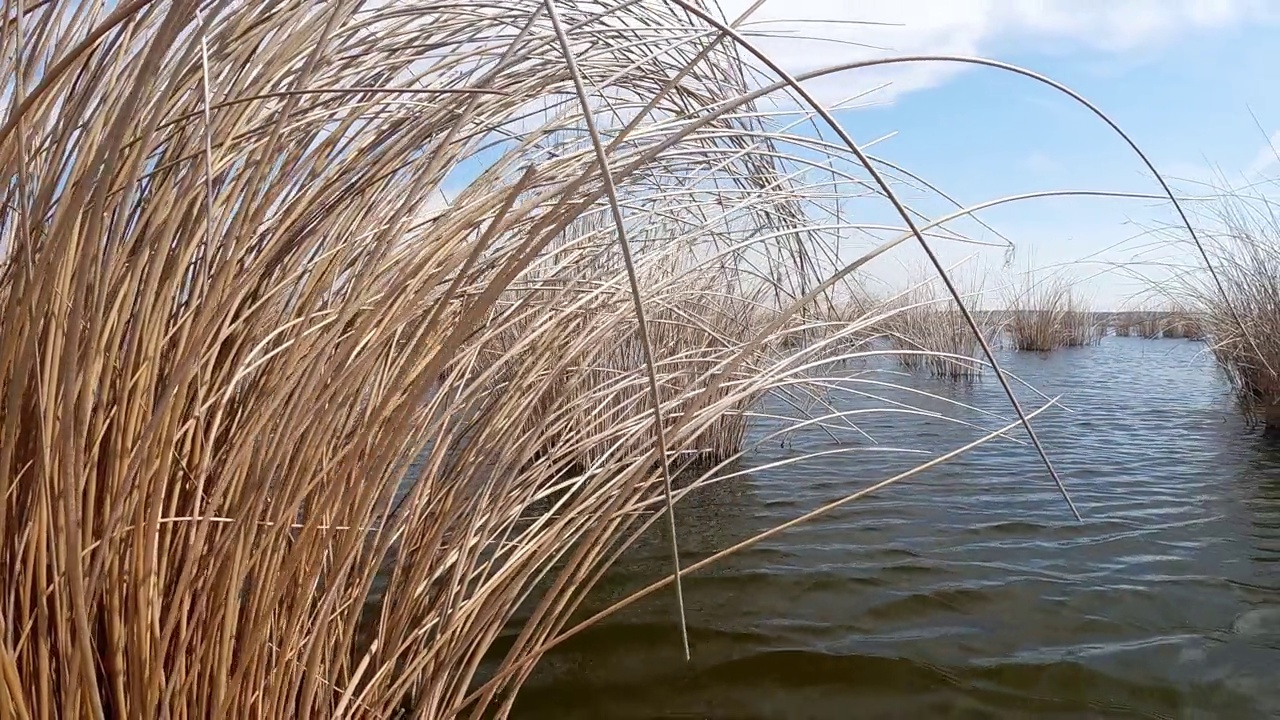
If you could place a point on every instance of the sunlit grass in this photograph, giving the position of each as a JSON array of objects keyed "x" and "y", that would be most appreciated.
[
  {"x": 1045, "y": 314},
  {"x": 931, "y": 335},
  {"x": 1236, "y": 309},
  {"x": 335, "y": 332}
]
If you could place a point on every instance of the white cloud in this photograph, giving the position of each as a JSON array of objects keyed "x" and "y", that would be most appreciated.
[{"x": 821, "y": 33}]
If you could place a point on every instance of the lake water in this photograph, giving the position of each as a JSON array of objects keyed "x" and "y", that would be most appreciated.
[{"x": 970, "y": 590}]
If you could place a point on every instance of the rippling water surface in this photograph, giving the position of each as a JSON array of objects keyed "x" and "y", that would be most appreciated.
[{"x": 970, "y": 590}]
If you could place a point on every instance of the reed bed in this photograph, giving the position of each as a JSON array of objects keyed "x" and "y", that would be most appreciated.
[
  {"x": 1236, "y": 308},
  {"x": 596, "y": 389},
  {"x": 931, "y": 335},
  {"x": 1182, "y": 324},
  {"x": 1079, "y": 327},
  {"x": 1150, "y": 324},
  {"x": 335, "y": 332},
  {"x": 1166, "y": 320},
  {"x": 1045, "y": 315}
]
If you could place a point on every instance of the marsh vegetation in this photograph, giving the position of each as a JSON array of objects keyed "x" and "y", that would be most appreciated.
[
  {"x": 1233, "y": 302},
  {"x": 336, "y": 336},
  {"x": 1046, "y": 313}
]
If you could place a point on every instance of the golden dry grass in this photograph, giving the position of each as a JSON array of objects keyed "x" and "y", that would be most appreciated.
[
  {"x": 262, "y": 352},
  {"x": 1045, "y": 314},
  {"x": 1181, "y": 323},
  {"x": 930, "y": 334},
  {"x": 1237, "y": 309},
  {"x": 334, "y": 332},
  {"x": 1150, "y": 324}
]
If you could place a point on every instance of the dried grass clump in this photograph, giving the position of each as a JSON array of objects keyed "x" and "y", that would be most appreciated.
[
  {"x": 597, "y": 388},
  {"x": 931, "y": 335},
  {"x": 1150, "y": 324},
  {"x": 1182, "y": 324},
  {"x": 1158, "y": 321},
  {"x": 1080, "y": 328},
  {"x": 316, "y": 360},
  {"x": 333, "y": 333},
  {"x": 1044, "y": 315},
  {"x": 1237, "y": 308}
]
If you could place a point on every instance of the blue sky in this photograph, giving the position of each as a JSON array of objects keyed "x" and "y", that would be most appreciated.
[{"x": 1186, "y": 79}]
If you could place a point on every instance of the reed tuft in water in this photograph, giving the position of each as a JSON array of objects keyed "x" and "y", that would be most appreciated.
[
  {"x": 930, "y": 334},
  {"x": 1045, "y": 314},
  {"x": 1236, "y": 309}
]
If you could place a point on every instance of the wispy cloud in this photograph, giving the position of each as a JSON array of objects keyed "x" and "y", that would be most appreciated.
[
  {"x": 1040, "y": 163},
  {"x": 810, "y": 34},
  {"x": 1267, "y": 159}
]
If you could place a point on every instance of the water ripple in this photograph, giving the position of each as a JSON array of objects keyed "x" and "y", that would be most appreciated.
[{"x": 970, "y": 591}]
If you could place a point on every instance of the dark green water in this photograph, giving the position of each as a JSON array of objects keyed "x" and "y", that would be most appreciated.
[{"x": 970, "y": 591}]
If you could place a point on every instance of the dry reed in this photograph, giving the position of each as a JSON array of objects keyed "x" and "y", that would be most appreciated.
[
  {"x": 322, "y": 337},
  {"x": 335, "y": 332},
  {"x": 1150, "y": 324},
  {"x": 308, "y": 305},
  {"x": 931, "y": 335},
  {"x": 1079, "y": 326},
  {"x": 1238, "y": 312},
  {"x": 1181, "y": 323},
  {"x": 1045, "y": 314}
]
